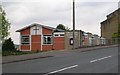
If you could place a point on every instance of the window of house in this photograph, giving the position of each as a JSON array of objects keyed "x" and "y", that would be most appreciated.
[
  {"x": 47, "y": 39},
  {"x": 25, "y": 40}
]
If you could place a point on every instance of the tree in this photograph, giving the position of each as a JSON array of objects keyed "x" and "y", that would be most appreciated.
[
  {"x": 61, "y": 26},
  {"x": 67, "y": 28},
  {"x": 117, "y": 35},
  {"x": 4, "y": 25},
  {"x": 8, "y": 45}
]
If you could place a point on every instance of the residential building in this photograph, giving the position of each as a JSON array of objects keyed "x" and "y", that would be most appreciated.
[{"x": 110, "y": 25}]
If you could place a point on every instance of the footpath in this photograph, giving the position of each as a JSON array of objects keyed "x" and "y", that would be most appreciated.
[{"x": 18, "y": 58}]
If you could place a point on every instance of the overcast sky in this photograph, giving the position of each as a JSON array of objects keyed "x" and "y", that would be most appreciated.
[{"x": 89, "y": 13}]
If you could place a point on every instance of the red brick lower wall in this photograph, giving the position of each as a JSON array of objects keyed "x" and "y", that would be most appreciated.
[
  {"x": 59, "y": 43},
  {"x": 25, "y": 47},
  {"x": 47, "y": 47},
  {"x": 36, "y": 46}
]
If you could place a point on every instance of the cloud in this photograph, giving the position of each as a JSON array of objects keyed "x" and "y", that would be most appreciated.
[
  {"x": 23, "y": 11},
  {"x": 52, "y": 12},
  {"x": 90, "y": 14}
]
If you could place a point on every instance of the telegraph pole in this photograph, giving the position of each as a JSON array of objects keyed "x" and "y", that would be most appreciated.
[{"x": 73, "y": 24}]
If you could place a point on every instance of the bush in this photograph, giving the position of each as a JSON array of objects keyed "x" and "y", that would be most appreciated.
[
  {"x": 8, "y": 53},
  {"x": 8, "y": 45}
]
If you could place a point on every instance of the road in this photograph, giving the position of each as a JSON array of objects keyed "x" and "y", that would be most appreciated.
[{"x": 95, "y": 61}]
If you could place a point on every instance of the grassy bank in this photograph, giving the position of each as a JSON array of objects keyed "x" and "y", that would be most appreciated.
[{"x": 8, "y": 53}]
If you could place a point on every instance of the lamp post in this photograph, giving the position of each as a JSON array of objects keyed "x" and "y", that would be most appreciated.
[{"x": 73, "y": 24}]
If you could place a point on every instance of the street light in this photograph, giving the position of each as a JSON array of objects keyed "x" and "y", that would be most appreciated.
[{"x": 73, "y": 24}]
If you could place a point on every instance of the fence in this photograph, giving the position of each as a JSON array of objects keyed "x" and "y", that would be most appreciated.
[
  {"x": 112, "y": 41},
  {"x": 99, "y": 42}
]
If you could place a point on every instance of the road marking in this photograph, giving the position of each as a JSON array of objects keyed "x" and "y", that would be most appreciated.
[
  {"x": 62, "y": 69},
  {"x": 100, "y": 59}
]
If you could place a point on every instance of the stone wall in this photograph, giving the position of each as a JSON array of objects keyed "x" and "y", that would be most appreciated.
[
  {"x": 68, "y": 36},
  {"x": 110, "y": 25}
]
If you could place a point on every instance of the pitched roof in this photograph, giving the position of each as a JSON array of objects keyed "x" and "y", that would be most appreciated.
[{"x": 36, "y": 24}]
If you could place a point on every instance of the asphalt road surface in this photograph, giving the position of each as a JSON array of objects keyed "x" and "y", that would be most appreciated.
[{"x": 96, "y": 61}]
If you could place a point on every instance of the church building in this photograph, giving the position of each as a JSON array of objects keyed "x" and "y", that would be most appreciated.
[{"x": 37, "y": 37}]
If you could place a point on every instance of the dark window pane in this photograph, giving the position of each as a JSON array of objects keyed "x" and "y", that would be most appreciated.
[
  {"x": 61, "y": 34},
  {"x": 47, "y": 39},
  {"x": 56, "y": 35},
  {"x": 25, "y": 40}
]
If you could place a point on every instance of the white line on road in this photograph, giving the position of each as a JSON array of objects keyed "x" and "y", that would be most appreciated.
[
  {"x": 62, "y": 69},
  {"x": 100, "y": 59}
]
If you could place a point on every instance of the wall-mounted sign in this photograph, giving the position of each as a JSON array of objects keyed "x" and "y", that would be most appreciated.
[{"x": 71, "y": 41}]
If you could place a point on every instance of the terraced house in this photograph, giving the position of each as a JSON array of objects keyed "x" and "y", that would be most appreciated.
[{"x": 110, "y": 26}]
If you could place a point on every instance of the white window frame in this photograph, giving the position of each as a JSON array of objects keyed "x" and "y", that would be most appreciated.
[
  {"x": 59, "y": 34},
  {"x": 56, "y": 35},
  {"x": 47, "y": 37},
  {"x": 25, "y": 43},
  {"x": 62, "y": 34}
]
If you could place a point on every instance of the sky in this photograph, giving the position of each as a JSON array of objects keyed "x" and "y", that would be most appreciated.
[{"x": 89, "y": 14}]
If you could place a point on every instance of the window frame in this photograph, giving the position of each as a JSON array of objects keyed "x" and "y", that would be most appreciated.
[
  {"x": 59, "y": 34},
  {"x": 47, "y": 40},
  {"x": 25, "y": 43},
  {"x": 62, "y": 35}
]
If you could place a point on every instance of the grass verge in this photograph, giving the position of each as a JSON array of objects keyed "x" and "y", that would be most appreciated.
[{"x": 8, "y": 53}]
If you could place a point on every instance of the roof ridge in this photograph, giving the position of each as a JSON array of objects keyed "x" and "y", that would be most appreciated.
[{"x": 34, "y": 25}]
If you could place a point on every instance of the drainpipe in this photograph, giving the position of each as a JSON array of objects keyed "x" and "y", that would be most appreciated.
[{"x": 53, "y": 40}]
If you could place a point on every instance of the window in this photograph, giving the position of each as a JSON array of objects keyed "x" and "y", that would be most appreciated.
[
  {"x": 61, "y": 34},
  {"x": 56, "y": 34},
  {"x": 25, "y": 40},
  {"x": 47, "y": 39}
]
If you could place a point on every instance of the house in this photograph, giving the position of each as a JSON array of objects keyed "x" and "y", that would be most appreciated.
[
  {"x": 86, "y": 39},
  {"x": 110, "y": 26},
  {"x": 92, "y": 40},
  {"x": 37, "y": 37}
]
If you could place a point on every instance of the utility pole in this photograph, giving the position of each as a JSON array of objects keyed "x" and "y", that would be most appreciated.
[{"x": 73, "y": 24}]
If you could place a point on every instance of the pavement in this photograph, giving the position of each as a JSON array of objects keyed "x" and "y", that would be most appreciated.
[
  {"x": 18, "y": 58},
  {"x": 97, "y": 60}
]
